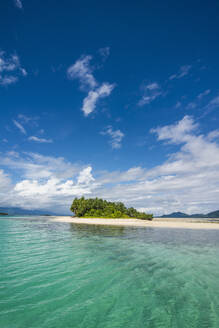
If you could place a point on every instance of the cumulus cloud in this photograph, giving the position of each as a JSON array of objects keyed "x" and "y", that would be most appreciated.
[
  {"x": 151, "y": 91},
  {"x": 89, "y": 103},
  {"x": 44, "y": 181},
  {"x": 116, "y": 137},
  {"x": 188, "y": 180},
  {"x": 85, "y": 176},
  {"x": 183, "y": 71},
  {"x": 213, "y": 135},
  {"x": 48, "y": 194},
  {"x": 39, "y": 140},
  {"x": 10, "y": 69},
  {"x": 82, "y": 71}
]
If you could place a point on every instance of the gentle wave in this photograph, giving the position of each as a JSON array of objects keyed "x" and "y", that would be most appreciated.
[{"x": 61, "y": 275}]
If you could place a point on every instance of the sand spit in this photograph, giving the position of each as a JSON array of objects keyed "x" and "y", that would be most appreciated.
[{"x": 156, "y": 223}]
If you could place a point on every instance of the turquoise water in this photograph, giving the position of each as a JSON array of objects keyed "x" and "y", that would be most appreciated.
[{"x": 63, "y": 275}]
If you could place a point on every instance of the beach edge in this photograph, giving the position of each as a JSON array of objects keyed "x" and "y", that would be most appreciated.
[{"x": 155, "y": 223}]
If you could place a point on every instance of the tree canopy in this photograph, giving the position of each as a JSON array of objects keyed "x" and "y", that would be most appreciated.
[{"x": 97, "y": 207}]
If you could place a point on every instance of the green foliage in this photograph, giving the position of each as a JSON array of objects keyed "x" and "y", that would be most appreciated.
[{"x": 96, "y": 207}]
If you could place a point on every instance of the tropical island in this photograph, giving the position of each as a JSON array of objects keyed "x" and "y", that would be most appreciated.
[{"x": 99, "y": 208}]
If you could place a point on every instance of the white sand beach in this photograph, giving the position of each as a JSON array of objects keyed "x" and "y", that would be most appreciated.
[{"x": 156, "y": 223}]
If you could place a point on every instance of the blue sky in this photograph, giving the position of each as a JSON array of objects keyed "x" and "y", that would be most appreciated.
[{"x": 115, "y": 100}]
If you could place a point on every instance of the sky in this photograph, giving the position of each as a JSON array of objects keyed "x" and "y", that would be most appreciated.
[{"x": 117, "y": 100}]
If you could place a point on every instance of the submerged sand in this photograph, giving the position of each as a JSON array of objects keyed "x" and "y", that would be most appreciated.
[{"x": 156, "y": 223}]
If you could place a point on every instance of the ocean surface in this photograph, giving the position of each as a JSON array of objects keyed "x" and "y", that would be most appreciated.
[{"x": 60, "y": 275}]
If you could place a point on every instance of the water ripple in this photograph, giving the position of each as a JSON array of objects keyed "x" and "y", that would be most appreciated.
[{"x": 62, "y": 275}]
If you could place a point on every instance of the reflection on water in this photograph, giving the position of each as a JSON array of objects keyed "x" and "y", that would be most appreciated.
[
  {"x": 83, "y": 230},
  {"x": 166, "y": 236}
]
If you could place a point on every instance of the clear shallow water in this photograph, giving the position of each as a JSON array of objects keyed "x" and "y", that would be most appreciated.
[{"x": 62, "y": 275}]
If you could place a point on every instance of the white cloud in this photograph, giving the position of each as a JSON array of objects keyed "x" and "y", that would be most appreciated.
[
  {"x": 18, "y": 4},
  {"x": 176, "y": 133},
  {"x": 183, "y": 71},
  {"x": 131, "y": 175},
  {"x": 151, "y": 91},
  {"x": 23, "y": 71},
  {"x": 53, "y": 193},
  {"x": 213, "y": 135},
  {"x": 52, "y": 187},
  {"x": 7, "y": 80},
  {"x": 115, "y": 135},
  {"x": 188, "y": 180},
  {"x": 37, "y": 166},
  {"x": 44, "y": 182},
  {"x": 40, "y": 140},
  {"x": 5, "y": 181},
  {"x": 93, "y": 96},
  {"x": 85, "y": 176},
  {"x": 19, "y": 126},
  {"x": 81, "y": 70},
  {"x": 10, "y": 69}
]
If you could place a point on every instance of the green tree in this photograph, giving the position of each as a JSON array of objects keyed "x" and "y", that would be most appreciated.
[{"x": 97, "y": 207}]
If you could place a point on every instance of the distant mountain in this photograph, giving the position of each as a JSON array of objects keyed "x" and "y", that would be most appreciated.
[
  {"x": 175, "y": 215},
  {"x": 214, "y": 214},
  {"x": 21, "y": 211}
]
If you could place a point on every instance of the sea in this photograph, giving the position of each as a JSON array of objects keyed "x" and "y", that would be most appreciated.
[{"x": 62, "y": 275}]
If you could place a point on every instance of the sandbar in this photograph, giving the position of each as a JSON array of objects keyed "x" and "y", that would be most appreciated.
[{"x": 155, "y": 223}]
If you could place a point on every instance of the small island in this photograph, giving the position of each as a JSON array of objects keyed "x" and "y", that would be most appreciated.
[
  {"x": 3, "y": 213},
  {"x": 99, "y": 208}
]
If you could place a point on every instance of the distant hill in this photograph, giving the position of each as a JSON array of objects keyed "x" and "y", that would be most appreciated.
[
  {"x": 175, "y": 215},
  {"x": 214, "y": 214},
  {"x": 21, "y": 211}
]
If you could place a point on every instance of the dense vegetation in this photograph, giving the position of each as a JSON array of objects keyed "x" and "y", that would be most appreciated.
[{"x": 99, "y": 208}]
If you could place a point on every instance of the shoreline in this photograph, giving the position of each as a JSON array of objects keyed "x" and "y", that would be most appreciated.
[{"x": 155, "y": 223}]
